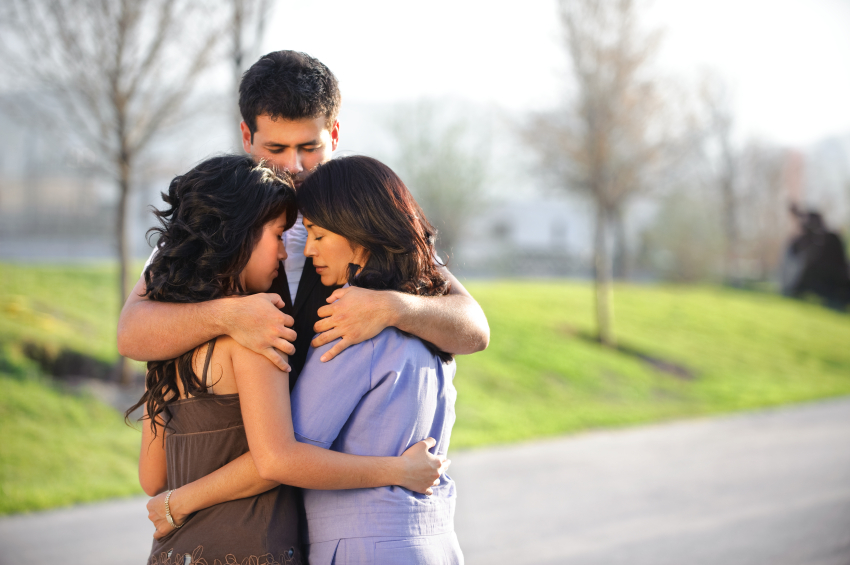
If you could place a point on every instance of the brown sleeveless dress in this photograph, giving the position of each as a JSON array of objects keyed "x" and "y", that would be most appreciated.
[{"x": 203, "y": 434}]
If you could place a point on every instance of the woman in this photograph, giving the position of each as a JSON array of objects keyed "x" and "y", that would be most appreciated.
[
  {"x": 221, "y": 236},
  {"x": 380, "y": 396}
]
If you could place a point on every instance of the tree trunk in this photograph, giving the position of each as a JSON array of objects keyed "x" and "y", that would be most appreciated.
[
  {"x": 730, "y": 216},
  {"x": 621, "y": 251},
  {"x": 124, "y": 255},
  {"x": 237, "y": 56},
  {"x": 604, "y": 290}
]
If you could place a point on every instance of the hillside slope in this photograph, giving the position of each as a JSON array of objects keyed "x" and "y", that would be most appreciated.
[{"x": 689, "y": 351}]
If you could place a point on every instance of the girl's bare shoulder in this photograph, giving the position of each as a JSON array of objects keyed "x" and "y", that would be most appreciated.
[{"x": 220, "y": 373}]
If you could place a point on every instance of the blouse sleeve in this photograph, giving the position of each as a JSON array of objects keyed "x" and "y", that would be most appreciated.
[{"x": 327, "y": 393}]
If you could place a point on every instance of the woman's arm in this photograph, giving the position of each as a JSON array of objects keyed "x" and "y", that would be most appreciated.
[
  {"x": 240, "y": 479},
  {"x": 417, "y": 469},
  {"x": 152, "y": 471},
  {"x": 237, "y": 479},
  {"x": 266, "y": 412}
]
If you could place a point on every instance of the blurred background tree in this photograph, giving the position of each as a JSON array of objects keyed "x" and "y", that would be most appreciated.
[
  {"x": 444, "y": 166},
  {"x": 115, "y": 74},
  {"x": 612, "y": 136},
  {"x": 247, "y": 28},
  {"x": 723, "y": 160}
]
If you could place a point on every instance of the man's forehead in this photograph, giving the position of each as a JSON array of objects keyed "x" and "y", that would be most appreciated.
[{"x": 291, "y": 132}]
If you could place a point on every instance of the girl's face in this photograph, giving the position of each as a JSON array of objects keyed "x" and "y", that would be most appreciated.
[
  {"x": 261, "y": 270},
  {"x": 331, "y": 254}
]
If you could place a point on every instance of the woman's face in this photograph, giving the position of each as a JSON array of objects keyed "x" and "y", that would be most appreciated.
[
  {"x": 331, "y": 254},
  {"x": 261, "y": 270}
]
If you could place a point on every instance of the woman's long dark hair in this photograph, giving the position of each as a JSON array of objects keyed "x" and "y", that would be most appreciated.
[
  {"x": 364, "y": 201},
  {"x": 213, "y": 220}
]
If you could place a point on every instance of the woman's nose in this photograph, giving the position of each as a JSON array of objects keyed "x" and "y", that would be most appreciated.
[{"x": 308, "y": 249}]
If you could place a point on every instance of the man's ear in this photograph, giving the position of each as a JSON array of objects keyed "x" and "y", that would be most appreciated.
[
  {"x": 247, "y": 141},
  {"x": 335, "y": 135}
]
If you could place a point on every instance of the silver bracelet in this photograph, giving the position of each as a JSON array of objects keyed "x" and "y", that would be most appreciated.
[{"x": 168, "y": 512}]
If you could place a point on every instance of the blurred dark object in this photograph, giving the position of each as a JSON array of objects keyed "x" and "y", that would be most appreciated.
[{"x": 815, "y": 262}]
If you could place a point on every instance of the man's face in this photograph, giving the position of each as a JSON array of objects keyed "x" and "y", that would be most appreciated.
[{"x": 297, "y": 146}]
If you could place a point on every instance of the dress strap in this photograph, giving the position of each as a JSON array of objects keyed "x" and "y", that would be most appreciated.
[{"x": 210, "y": 347}]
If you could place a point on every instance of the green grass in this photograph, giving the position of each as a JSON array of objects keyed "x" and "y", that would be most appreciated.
[
  {"x": 59, "y": 449},
  {"x": 538, "y": 378},
  {"x": 61, "y": 307}
]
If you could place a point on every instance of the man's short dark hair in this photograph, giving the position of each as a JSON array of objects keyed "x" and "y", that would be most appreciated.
[{"x": 288, "y": 85}]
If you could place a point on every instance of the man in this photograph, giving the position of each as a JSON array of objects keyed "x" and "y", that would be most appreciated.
[{"x": 290, "y": 104}]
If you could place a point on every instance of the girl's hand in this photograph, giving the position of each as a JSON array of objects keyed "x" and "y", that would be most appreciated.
[
  {"x": 156, "y": 514},
  {"x": 421, "y": 469}
]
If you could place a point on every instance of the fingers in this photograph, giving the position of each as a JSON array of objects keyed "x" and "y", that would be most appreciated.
[
  {"x": 325, "y": 337},
  {"x": 325, "y": 312},
  {"x": 284, "y": 345},
  {"x": 338, "y": 293},
  {"x": 429, "y": 442},
  {"x": 275, "y": 357},
  {"x": 288, "y": 321},
  {"x": 275, "y": 299},
  {"x": 340, "y": 346},
  {"x": 429, "y": 491},
  {"x": 325, "y": 324}
]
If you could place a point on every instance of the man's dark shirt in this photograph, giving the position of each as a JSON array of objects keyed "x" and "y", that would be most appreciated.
[{"x": 311, "y": 296}]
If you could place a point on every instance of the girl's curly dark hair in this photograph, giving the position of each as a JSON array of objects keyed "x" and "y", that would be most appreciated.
[
  {"x": 213, "y": 220},
  {"x": 364, "y": 201}
]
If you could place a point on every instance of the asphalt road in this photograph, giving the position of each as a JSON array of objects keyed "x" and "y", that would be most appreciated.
[{"x": 770, "y": 487}]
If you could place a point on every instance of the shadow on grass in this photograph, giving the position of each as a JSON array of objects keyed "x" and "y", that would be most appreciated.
[
  {"x": 63, "y": 364},
  {"x": 661, "y": 365}
]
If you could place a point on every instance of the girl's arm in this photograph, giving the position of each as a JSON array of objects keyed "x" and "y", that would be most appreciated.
[
  {"x": 237, "y": 479},
  {"x": 267, "y": 415},
  {"x": 264, "y": 398},
  {"x": 152, "y": 471}
]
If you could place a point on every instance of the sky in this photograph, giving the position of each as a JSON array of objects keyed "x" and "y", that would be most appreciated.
[{"x": 787, "y": 61}]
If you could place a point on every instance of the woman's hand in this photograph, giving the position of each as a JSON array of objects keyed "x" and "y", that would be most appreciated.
[
  {"x": 421, "y": 468},
  {"x": 156, "y": 514}
]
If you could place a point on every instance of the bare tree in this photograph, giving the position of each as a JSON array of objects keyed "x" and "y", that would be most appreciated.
[
  {"x": 115, "y": 73},
  {"x": 763, "y": 206},
  {"x": 612, "y": 135},
  {"x": 443, "y": 167},
  {"x": 247, "y": 29},
  {"x": 723, "y": 160}
]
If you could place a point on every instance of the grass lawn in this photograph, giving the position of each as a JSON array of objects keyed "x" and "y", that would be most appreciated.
[
  {"x": 58, "y": 449},
  {"x": 541, "y": 376},
  {"x": 61, "y": 307},
  {"x": 743, "y": 350}
]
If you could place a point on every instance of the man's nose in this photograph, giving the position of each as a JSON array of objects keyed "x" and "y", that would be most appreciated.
[{"x": 292, "y": 162}]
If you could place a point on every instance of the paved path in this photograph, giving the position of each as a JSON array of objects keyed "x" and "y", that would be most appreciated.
[{"x": 770, "y": 487}]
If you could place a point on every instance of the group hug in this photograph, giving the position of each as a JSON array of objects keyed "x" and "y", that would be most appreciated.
[{"x": 299, "y": 330}]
